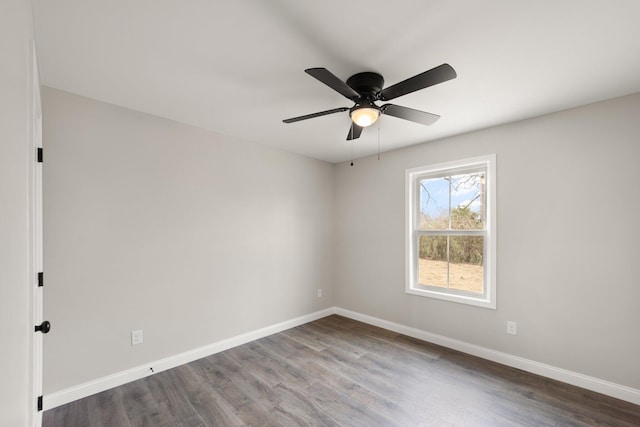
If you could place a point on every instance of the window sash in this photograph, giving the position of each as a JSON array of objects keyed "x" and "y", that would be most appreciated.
[
  {"x": 441, "y": 290},
  {"x": 473, "y": 169}
]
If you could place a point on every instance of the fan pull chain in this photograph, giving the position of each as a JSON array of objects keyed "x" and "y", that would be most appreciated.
[
  {"x": 352, "y": 152},
  {"x": 351, "y": 130},
  {"x": 378, "y": 141}
]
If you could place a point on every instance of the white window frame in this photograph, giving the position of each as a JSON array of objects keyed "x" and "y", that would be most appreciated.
[{"x": 412, "y": 207}]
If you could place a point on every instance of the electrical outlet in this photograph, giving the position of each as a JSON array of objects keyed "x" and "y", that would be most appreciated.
[
  {"x": 319, "y": 292},
  {"x": 512, "y": 327},
  {"x": 136, "y": 337}
]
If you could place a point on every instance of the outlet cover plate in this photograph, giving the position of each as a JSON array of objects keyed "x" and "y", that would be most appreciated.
[{"x": 136, "y": 337}]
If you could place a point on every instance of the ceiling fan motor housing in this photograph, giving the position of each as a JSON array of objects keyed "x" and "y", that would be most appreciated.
[{"x": 367, "y": 84}]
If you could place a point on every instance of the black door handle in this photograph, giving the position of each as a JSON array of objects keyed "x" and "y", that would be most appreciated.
[{"x": 44, "y": 327}]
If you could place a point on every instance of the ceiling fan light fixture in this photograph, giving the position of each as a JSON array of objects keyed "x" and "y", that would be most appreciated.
[{"x": 364, "y": 116}]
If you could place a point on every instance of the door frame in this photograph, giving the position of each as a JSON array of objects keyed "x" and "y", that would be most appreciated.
[{"x": 36, "y": 238}]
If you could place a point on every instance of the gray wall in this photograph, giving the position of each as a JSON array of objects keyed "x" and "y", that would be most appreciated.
[
  {"x": 568, "y": 212},
  {"x": 189, "y": 235},
  {"x": 154, "y": 225},
  {"x": 16, "y": 32}
]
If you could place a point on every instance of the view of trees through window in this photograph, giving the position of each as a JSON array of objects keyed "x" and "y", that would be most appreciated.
[{"x": 451, "y": 231}]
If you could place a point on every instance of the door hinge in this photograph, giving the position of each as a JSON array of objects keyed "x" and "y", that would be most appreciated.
[
  {"x": 40, "y": 279},
  {"x": 39, "y": 153},
  {"x": 39, "y": 403}
]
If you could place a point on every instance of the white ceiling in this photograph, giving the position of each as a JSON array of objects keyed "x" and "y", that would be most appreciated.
[{"x": 237, "y": 67}]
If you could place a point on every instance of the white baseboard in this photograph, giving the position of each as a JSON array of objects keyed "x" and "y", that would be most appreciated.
[
  {"x": 590, "y": 383},
  {"x": 101, "y": 384},
  {"x": 105, "y": 383}
]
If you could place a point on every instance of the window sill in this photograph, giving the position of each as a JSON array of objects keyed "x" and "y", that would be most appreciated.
[{"x": 480, "y": 301}]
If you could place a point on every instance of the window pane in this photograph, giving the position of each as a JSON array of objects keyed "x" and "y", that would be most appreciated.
[
  {"x": 434, "y": 203},
  {"x": 466, "y": 270},
  {"x": 432, "y": 262},
  {"x": 468, "y": 201}
]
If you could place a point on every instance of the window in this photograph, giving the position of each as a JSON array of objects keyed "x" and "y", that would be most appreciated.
[{"x": 450, "y": 231}]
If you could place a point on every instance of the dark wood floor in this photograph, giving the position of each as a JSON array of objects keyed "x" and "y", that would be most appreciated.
[{"x": 339, "y": 372}]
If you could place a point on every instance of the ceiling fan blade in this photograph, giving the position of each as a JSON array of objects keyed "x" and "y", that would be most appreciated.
[
  {"x": 311, "y": 116},
  {"x": 328, "y": 78},
  {"x": 410, "y": 114},
  {"x": 434, "y": 76},
  {"x": 354, "y": 132}
]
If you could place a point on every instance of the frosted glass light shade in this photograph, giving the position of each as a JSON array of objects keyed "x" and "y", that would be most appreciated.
[{"x": 365, "y": 116}]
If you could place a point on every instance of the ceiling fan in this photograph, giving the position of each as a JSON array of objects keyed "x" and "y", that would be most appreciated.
[{"x": 364, "y": 89}]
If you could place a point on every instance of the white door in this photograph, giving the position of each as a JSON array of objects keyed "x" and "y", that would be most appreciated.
[{"x": 36, "y": 283}]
